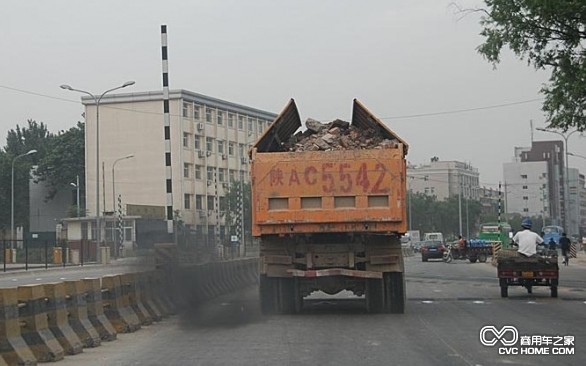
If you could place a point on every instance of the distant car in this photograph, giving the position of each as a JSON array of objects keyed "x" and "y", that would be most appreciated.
[{"x": 432, "y": 249}]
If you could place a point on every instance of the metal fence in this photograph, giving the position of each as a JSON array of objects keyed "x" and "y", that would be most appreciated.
[{"x": 31, "y": 254}]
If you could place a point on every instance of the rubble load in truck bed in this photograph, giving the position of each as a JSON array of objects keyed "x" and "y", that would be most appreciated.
[{"x": 336, "y": 135}]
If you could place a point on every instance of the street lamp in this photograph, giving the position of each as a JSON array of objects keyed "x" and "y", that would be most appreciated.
[
  {"x": 577, "y": 155},
  {"x": 76, "y": 185},
  {"x": 129, "y": 156},
  {"x": 97, "y": 100},
  {"x": 12, "y": 199},
  {"x": 567, "y": 185}
]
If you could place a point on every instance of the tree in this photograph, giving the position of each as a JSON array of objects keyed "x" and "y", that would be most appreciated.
[
  {"x": 19, "y": 141},
  {"x": 63, "y": 161},
  {"x": 549, "y": 34}
]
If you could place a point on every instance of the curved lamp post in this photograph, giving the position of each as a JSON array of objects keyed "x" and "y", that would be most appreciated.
[
  {"x": 97, "y": 99},
  {"x": 12, "y": 198}
]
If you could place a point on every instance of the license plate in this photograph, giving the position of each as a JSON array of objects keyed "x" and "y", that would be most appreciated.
[
  {"x": 526, "y": 274},
  {"x": 433, "y": 250}
]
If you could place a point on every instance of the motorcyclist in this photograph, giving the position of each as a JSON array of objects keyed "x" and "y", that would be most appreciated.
[{"x": 527, "y": 240}]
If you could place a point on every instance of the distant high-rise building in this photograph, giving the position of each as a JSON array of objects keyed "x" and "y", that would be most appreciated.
[
  {"x": 535, "y": 182},
  {"x": 444, "y": 179}
]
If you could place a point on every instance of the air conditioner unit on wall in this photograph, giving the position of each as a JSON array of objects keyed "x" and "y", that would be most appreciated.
[
  {"x": 201, "y": 154},
  {"x": 225, "y": 185},
  {"x": 224, "y": 156},
  {"x": 200, "y": 126},
  {"x": 202, "y": 214},
  {"x": 209, "y": 182},
  {"x": 244, "y": 160},
  {"x": 208, "y": 153}
]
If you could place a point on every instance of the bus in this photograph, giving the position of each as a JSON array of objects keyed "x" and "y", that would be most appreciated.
[
  {"x": 494, "y": 231},
  {"x": 552, "y": 232}
]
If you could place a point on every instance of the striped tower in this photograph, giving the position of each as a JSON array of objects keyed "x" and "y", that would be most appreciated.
[
  {"x": 216, "y": 209},
  {"x": 239, "y": 215},
  {"x": 120, "y": 232},
  {"x": 167, "y": 127},
  {"x": 499, "y": 212}
]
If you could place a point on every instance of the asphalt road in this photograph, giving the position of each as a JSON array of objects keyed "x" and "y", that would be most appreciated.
[{"x": 447, "y": 306}]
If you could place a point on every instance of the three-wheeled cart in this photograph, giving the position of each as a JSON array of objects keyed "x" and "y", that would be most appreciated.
[{"x": 516, "y": 270}]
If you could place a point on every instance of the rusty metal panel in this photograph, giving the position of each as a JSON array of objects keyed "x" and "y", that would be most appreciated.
[
  {"x": 362, "y": 118},
  {"x": 283, "y": 127}
]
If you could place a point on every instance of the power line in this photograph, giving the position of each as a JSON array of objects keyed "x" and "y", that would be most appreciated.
[{"x": 455, "y": 111}]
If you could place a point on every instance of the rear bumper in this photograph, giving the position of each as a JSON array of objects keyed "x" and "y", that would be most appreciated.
[{"x": 334, "y": 272}]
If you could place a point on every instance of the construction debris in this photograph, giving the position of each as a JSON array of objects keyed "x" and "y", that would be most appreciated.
[{"x": 336, "y": 135}]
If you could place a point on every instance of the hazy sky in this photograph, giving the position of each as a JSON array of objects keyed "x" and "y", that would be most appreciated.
[{"x": 400, "y": 58}]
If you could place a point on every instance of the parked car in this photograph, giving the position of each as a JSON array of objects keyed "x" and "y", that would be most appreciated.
[{"x": 432, "y": 249}]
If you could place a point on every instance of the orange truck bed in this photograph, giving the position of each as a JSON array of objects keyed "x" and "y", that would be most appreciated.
[{"x": 327, "y": 191}]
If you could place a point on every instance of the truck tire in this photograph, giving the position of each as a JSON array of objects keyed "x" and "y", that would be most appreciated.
[
  {"x": 286, "y": 293},
  {"x": 268, "y": 294},
  {"x": 374, "y": 295},
  {"x": 482, "y": 258},
  {"x": 473, "y": 259},
  {"x": 504, "y": 291},
  {"x": 394, "y": 292},
  {"x": 423, "y": 258},
  {"x": 554, "y": 291}
]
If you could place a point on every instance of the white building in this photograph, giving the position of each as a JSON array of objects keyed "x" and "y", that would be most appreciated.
[
  {"x": 209, "y": 141},
  {"x": 526, "y": 188},
  {"x": 444, "y": 179}
]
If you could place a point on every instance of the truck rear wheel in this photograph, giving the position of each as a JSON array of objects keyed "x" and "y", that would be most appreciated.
[
  {"x": 473, "y": 259},
  {"x": 286, "y": 301},
  {"x": 554, "y": 291},
  {"x": 504, "y": 291},
  {"x": 394, "y": 292},
  {"x": 268, "y": 294},
  {"x": 482, "y": 258},
  {"x": 374, "y": 295}
]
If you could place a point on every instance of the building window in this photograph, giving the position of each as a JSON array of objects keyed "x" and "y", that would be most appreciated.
[
  {"x": 198, "y": 202},
  {"x": 209, "y": 144},
  {"x": 221, "y": 174},
  {"x": 525, "y": 210},
  {"x": 242, "y": 175},
  {"x": 187, "y": 201},
  {"x": 231, "y": 120},
  {"x": 186, "y": 170},
  {"x": 223, "y": 203},
  {"x": 232, "y": 175},
  {"x": 197, "y": 142},
  {"x": 220, "y": 118},
  {"x": 250, "y": 124},
  {"x": 231, "y": 146},
  {"x": 220, "y": 147},
  {"x": 196, "y": 110},
  {"x": 524, "y": 187},
  {"x": 525, "y": 198},
  {"x": 210, "y": 203},
  {"x": 241, "y": 150},
  {"x": 185, "y": 109},
  {"x": 240, "y": 122},
  {"x": 260, "y": 126},
  {"x": 210, "y": 173},
  {"x": 198, "y": 172},
  {"x": 208, "y": 115},
  {"x": 524, "y": 176},
  {"x": 185, "y": 140}
]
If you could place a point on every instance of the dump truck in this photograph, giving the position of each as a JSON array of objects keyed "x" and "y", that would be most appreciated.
[{"x": 329, "y": 219}]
